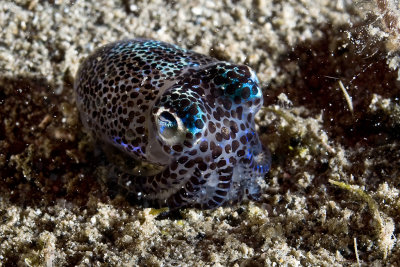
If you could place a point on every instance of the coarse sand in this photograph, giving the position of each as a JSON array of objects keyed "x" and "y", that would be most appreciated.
[{"x": 330, "y": 77}]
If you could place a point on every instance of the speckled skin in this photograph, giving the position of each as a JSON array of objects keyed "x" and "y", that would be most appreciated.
[{"x": 186, "y": 117}]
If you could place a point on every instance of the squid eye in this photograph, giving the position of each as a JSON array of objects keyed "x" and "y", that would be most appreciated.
[{"x": 167, "y": 125}]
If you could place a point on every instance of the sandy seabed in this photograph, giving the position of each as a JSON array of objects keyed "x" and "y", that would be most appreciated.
[{"x": 330, "y": 77}]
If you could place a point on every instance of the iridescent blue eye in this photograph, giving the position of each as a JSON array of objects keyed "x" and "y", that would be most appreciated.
[
  {"x": 167, "y": 124},
  {"x": 167, "y": 120}
]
